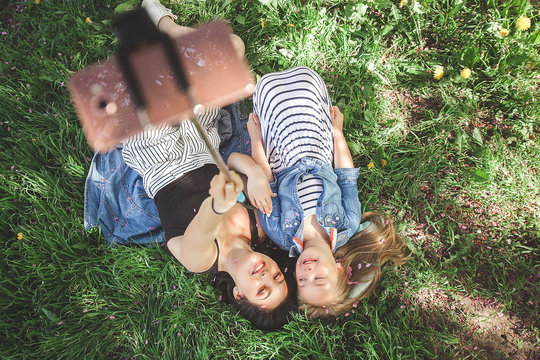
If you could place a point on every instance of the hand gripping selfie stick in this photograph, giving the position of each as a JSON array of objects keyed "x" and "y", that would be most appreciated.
[{"x": 135, "y": 30}]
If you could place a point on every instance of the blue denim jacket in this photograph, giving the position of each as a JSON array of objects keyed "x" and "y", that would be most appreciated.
[
  {"x": 114, "y": 196},
  {"x": 338, "y": 208}
]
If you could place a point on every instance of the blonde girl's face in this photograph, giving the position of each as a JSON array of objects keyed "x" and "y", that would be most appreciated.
[{"x": 317, "y": 275}]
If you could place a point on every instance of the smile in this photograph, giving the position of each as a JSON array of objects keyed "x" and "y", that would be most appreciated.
[
  {"x": 258, "y": 267},
  {"x": 309, "y": 261}
]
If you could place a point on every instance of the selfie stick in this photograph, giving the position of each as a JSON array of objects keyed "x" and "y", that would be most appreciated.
[{"x": 135, "y": 29}]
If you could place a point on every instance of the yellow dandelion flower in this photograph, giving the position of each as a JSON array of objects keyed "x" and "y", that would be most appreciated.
[
  {"x": 262, "y": 23},
  {"x": 465, "y": 73},
  {"x": 403, "y": 3},
  {"x": 438, "y": 73},
  {"x": 370, "y": 165},
  {"x": 523, "y": 23},
  {"x": 19, "y": 236},
  {"x": 37, "y": 2},
  {"x": 504, "y": 32},
  {"x": 291, "y": 25},
  {"x": 384, "y": 162},
  {"x": 88, "y": 21}
]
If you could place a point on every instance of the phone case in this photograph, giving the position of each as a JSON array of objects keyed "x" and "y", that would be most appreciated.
[{"x": 217, "y": 75}]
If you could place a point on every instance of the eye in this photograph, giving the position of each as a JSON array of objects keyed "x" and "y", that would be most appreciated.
[
  {"x": 278, "y": 275},
  {"x": 261, "y": 290}
]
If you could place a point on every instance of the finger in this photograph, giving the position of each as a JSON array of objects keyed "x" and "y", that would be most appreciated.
[
  {"x": 253, "y": 117},
  {"x": 237, "y": 180},
  {"x": 268, "y": 207}
]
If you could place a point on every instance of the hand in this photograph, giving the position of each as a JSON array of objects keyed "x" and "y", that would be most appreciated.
[
  {"x": 259, "y": 192},
  {"x": 254, "y": 127},
  {"x": 337, "y": 118},
  {"x": 225, "y": 193}
]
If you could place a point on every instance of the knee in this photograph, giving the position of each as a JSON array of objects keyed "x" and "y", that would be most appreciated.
[{"x": 238, "y": 45}]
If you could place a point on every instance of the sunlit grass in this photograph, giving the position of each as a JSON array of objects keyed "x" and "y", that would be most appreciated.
[{"x": 455, "y": 163}]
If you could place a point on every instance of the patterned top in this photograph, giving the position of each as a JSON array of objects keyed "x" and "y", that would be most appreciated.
[
  {"x": 293, "y": 108},
  {"x": 164, "y": 153}
]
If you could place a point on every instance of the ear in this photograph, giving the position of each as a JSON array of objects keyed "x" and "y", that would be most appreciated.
[
  {"x": 340, "y": 267},
  {"x": 237, "y": 294}
]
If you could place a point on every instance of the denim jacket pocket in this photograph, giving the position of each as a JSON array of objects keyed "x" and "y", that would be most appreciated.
[
  {"x": 290, "y": 220},
  {"x": 331, "y": 215}
]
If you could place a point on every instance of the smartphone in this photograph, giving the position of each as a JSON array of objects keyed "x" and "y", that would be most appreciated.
[{"x": 104, "y": 104}]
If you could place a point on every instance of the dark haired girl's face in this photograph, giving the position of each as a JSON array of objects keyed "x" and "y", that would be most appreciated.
[{"x": 259, "y": 280}]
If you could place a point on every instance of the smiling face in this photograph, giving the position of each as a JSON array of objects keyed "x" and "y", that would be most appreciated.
[
  {"x": 317, "y": 275},
  {"x": 259, "y": 280}
]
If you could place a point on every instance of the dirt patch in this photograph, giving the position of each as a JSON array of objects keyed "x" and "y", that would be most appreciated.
[{"x": 492, "y": 334}]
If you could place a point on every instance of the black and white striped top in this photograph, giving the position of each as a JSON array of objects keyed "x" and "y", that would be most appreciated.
[
  {"x": 164, "y": 153},
  {"x": 293, "y": 108}
]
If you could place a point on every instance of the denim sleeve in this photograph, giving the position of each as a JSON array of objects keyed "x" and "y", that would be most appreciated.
[{"x": 347, "y": 182}]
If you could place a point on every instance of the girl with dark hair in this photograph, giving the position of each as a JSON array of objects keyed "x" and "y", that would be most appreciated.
[{"x": 207, "y": 234}]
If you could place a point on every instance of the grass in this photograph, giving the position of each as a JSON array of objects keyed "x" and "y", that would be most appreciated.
[{"x": 461, "y": 156}]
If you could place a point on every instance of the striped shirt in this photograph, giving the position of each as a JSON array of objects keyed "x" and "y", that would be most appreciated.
[
  {"x": 164, "y": 153},
  {"x": 293, "y": 109}
]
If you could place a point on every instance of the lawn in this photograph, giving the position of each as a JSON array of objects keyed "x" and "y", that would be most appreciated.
[{"x": 442, "y": 115}]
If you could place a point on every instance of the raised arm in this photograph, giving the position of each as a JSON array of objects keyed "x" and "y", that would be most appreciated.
[
  {"x": 342, "y": 155},
  {"x": 195, "y": 249}
]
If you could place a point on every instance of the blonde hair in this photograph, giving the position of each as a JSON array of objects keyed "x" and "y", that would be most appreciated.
[{"x": 362, "y": 258}]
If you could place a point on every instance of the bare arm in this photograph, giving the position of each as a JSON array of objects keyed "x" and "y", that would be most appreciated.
[
  {"x": 258, "y": 188},
  {"x": 195, "y": 249},
  {"x": 257, "y": 149},
  {"x": 342, "y": 154}
]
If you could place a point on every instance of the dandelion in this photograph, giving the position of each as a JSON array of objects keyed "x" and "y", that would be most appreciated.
[
  {"x": 88, "y": 21},
  {"x": 465, "y": 73},
  {"x": 504, "y": 32},
  {"x": 384, "y": 162},
  {"x": 523, "y": 23},
  {"x": 370, "y": 165},
  {"x": 438, "y": 73},
  {"x": 19, "y": 236},
  {"x": 262, "y": 23},
  {"x": 37, "y": 2},
  {"x": 403, "y": 3},
  {"x": 291, "y": 25}
]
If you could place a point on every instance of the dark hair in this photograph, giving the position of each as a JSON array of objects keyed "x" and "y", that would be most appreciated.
[{"x": 264, "y": 319}]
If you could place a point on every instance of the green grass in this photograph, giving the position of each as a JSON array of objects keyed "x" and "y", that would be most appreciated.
[{"x": 461, "y": 180}]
